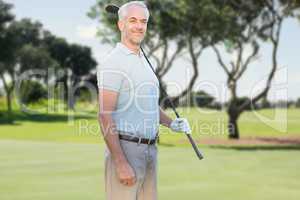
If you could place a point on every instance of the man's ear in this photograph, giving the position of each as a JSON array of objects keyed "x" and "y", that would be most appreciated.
[{"x": 121, "y": 25}]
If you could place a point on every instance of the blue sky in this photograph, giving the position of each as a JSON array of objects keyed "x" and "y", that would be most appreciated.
[{"x": 68, "y": 19}]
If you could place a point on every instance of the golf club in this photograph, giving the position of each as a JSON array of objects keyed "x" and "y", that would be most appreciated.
[{"x": 113, "y": 9}]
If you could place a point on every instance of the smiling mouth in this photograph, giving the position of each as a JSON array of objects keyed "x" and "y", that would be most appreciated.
[{"x": 138, "y": 33}]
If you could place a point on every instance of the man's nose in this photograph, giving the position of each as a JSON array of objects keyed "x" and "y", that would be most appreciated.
[{"x": 140, "y": 26}]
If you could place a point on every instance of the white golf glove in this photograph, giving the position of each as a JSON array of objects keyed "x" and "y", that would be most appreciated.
[{"x": 180, "y": 125}]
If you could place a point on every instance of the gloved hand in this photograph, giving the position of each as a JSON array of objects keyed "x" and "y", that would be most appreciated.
[{"x": 180, "y": 125}]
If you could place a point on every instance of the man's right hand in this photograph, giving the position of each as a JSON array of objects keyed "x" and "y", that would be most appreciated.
[{"x": 126, "y": 174}]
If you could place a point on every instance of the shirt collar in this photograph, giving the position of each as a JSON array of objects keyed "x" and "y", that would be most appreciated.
[{"x": 127, "y": 51}]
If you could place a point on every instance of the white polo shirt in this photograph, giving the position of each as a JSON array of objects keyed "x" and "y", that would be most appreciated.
[{"x": 129, "y": 74}]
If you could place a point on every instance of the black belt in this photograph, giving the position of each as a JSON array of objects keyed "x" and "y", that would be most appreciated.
[{"x": 137, "y": 139}]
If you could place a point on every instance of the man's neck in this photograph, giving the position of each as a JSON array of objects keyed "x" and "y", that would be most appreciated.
[{"x": 132, "y": 47}]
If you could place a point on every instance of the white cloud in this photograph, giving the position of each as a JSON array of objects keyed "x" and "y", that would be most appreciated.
[{"x": 86, "y": 31}]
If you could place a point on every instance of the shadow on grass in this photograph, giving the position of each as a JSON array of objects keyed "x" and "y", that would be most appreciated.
[
  {"x": 15, "y": 118},
  {"x": 257, "y": 148}
]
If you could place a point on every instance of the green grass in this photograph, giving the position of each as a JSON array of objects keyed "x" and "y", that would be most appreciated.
[
  {"x": 46, "y": 156},
  {"x": 69, "y": 171},
  {"x": 85, "y": 129}
]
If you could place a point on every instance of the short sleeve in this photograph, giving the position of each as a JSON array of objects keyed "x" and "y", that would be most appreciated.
[{"x": 110, "y": 76}]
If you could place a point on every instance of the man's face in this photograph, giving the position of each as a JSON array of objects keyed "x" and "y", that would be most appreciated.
[{"x": 134, "y": 26}]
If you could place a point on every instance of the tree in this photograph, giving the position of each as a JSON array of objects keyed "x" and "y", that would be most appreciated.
[
  {"x": 75, "y": 60},
  {"x": 6, "y": 49},
  {"x": 22, "y": 39},
  {"x": 80, "y": 64},
  {"x": 5, "y": 17},
  {"x": 32, "y": 91},
  {"x": 264, "y": 103},
  {"x": 261, "y": 21},
  {"x": 199, "y": 99},
  {"x": 298, "y": 103}
]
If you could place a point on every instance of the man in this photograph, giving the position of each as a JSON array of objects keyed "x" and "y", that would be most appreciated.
[{"x": 129, "y": 113}]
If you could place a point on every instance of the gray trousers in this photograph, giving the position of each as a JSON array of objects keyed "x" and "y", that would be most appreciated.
[{"x": 143, "y": 160}]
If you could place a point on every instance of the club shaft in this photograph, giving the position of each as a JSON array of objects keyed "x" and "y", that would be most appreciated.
[{"x": 198, "y": 153}]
